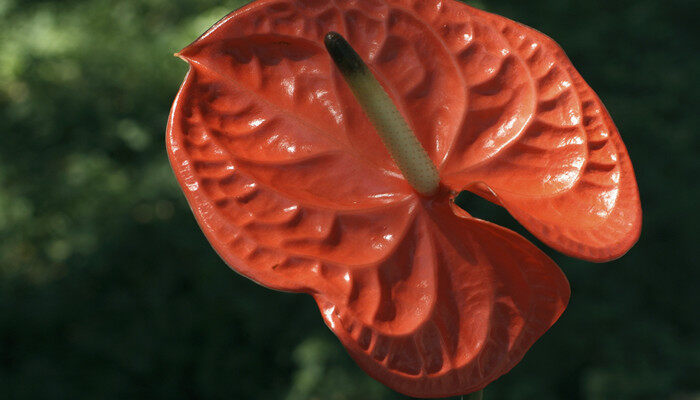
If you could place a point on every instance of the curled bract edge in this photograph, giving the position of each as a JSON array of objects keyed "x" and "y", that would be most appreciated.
[{"x": 293, "y": 188}]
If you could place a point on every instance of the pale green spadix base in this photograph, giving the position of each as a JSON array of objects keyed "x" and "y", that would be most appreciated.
[{"x": 404, "y": 147}]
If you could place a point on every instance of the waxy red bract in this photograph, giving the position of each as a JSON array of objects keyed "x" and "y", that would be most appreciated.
[{"x": 293, "y": 188}]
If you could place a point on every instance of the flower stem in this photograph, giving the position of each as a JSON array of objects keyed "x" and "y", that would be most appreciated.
[
  {"x": 397, "y": 136},
  {"x": 474, "y": 396}
]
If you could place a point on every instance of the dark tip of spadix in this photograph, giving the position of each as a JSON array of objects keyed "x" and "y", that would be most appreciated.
[{"x": 344, "y": 56}]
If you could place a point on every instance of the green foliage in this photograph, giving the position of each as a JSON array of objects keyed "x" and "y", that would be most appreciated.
[{"x": 109, "y": 290}]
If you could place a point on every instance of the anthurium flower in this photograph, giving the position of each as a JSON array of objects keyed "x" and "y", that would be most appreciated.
[{"x": 294, "y": 188}]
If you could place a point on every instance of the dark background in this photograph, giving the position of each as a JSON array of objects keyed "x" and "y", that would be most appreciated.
[{"x": 108, "y": 289}]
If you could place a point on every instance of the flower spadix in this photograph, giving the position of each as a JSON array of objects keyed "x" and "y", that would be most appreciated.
[
  {"x": 290, "y": 180},
  {"x": 397, "y": 136}
]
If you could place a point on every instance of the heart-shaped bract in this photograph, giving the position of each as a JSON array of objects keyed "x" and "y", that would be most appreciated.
[{"x": 294, "y": 189}]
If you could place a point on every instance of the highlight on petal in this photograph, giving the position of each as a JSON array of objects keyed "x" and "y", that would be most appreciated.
[
  {"x": 272, "y": 214},
  {"x": 559, "y": 167}
]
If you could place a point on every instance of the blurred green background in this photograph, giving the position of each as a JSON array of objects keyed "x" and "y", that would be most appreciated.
[{"x": 108, "y": 290}]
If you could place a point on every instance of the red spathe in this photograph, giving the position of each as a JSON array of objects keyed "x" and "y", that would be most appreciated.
[{"x": 294, "y": 189}]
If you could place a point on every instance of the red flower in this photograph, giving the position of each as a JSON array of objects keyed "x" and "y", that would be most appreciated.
[{"x": 294, "y": 189}]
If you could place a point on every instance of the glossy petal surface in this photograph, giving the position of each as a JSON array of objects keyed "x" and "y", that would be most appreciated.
[
  {"x": 293, "y": 188},
  {"x": 454, "y": 306},
  {"x": 538, "y": 141}
]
